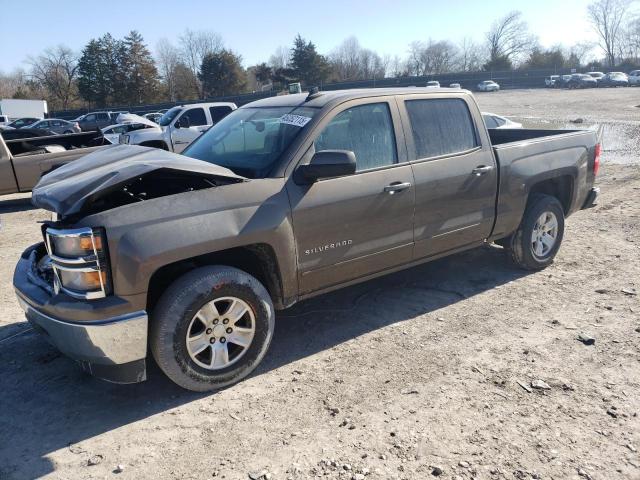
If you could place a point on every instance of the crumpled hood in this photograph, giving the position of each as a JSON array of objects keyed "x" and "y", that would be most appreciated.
[{"x": 69, "y": 188}]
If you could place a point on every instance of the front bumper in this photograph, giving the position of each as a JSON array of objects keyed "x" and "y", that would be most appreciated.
[{"x": 110, "y": 347}]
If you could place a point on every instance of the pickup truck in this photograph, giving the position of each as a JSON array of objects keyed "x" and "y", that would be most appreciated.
[
  {"x": 180, "y": 126},
  {"x": 23, "y": 161},
  {"x": 187, "y": 257}
]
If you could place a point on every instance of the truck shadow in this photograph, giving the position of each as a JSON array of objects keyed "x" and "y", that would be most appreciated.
[
  {"x": 48, "y": 404},
  {"x": 13, "y": 205}
]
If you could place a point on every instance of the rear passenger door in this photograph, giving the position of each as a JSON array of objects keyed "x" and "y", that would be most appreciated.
[
  {"x": 352, "y": 226},
  {"x": 219, "y": 112},
  {"x": 455, "y": 174}
]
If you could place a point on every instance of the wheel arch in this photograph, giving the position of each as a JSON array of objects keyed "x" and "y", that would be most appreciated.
[
  {"x": 560, "y": 187},
  {"x": 258, "y": 260}
]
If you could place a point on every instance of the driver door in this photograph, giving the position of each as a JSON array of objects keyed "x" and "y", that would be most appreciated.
[
  {"x": 356, "y": 225},
  {"x": 183, "y": 136}
]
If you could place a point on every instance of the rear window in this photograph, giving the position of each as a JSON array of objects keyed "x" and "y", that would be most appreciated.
[
  {"x": 441, "y": 126},
  {"x": 218, "y": 113}
]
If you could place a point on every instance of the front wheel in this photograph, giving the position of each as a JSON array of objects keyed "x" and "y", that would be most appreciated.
[
  {"x": 537, "y": 241},
  {"x": 211, "y": 328}
]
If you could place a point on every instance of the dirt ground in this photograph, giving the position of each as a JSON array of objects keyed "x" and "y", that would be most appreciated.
[{"x": 424, "y": 372}]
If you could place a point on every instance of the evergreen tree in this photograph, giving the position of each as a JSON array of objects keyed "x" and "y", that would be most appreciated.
[
  {"x": 90, "y": 73},
  {"x": 140, "y": 75},
  {"x": 221, "y": 74},
  {"x": 307, "y": 65}
]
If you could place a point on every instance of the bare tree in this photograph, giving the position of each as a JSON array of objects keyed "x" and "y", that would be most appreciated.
[
  {"x": 168, "y": 58},
  {"x": 607, "y": 17},
  {"x": 431, "y": 58},
  {"x": 196, "y": 45},
  {"x": 352, "y": 62},
  {"x": 509, "y": 38},
  {"x": 280, "y": 58},
  {"x": 12, "y": 83},
  {"x": 55, "y": 70},
  {"x": 632, "y": 39},
  {"x": 580, "y": 51},
  {"x": 469, "y": 57}
]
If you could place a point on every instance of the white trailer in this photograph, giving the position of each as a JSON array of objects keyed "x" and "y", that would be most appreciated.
[{"x": 17, "y": 108}]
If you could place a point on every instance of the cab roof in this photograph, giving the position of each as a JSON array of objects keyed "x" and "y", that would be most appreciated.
[{"x": 320, "y": 99}]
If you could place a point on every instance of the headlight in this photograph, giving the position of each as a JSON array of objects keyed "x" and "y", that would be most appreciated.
[{"x": 80, "y": 262}]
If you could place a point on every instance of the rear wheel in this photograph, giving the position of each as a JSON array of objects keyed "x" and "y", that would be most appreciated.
[
  {"x": 537, "y": 241},
  {"x": 211, "y": 328}
]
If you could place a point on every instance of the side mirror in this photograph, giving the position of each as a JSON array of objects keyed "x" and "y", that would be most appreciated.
[{"x": 327, "y": 164}]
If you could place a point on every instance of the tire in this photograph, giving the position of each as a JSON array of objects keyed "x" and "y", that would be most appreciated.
[
  {"x": 526, "y": 253},
  {"x": 180, "y": 312}
]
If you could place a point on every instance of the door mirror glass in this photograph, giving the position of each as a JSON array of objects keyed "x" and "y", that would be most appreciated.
[{"x": 327, "y": 164}]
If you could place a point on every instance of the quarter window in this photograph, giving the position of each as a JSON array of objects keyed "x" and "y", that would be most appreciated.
[
  {"x": 196, "y": 117},
  {"x": 367, "y": 131},
  {"x": 441, "y": 127}
]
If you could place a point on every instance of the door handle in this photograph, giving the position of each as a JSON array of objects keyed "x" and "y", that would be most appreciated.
[
  {"x": 482, "y": 169},
  {"x": 396, "y": 187}
]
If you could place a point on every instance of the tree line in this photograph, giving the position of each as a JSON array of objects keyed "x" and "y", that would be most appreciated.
[{"x": 111, "y": 71}]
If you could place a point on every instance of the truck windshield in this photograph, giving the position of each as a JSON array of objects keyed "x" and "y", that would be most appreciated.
[
  {"x": 168, "y": 117},
  {"x": 248, "y": 141}
]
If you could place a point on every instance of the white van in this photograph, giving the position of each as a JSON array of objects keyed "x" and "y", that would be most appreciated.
[{"x": 180, "y": 126}]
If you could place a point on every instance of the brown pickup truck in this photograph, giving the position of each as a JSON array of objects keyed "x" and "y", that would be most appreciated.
[
  {"x": 23, "y": 161},
  {"x": 187, "y": 256}
]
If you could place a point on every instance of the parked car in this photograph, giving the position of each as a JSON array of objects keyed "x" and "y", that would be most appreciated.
[
  {"x": 27, "y": 132},
  {"x": 614, "y": 79},
  {"x": 634, "y": 77},
  {"x": 488, "y": 86},
  {"x": 562, "y": 81},
  {"x": 493, "y": 121},
  {"x": 23, "y": 122},
  {"x": 597, "y": 75},
  {"x": 95, "y": 121},
  {"x": 433, "y": 84},
  {"x": 4, "y": 120},
  {"x": 181, "y": 125},
  {"x": 190, "y": 255},
  {"x": 581, "y": 80},
  {"x": 26, "y": 155},
  {"x": 113, "y": 132},
  {"x": 454, "y": 85},
  {"x": 57, "y": 125},
  {"x": 551, "y": 80},
  {"x": 154, "y": 117}
]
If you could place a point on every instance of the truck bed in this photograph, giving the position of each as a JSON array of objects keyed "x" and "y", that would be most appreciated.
[
  {"x": 502, "y": 136},
  {"x": 526, "y": 157}
]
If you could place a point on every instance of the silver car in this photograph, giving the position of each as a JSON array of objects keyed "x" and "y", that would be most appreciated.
[{"x": 57, "y": 125}]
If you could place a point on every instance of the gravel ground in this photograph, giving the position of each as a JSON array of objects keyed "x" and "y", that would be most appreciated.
[{"x": 427, "y": 371}]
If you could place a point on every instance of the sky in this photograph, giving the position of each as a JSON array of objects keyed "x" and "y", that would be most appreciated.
[{"x": 254, "y": 29}]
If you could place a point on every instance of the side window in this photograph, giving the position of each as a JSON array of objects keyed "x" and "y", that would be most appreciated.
[
  {"x": 90, "y": 118},
  {"x": 103, "y": 116},
  {"x": 441, "y": 126},
  {"x": 366, "y": 130},
  {"x": 196, "y": 117},
  {"x": 490, "y": 121},
  {"x": 218, "y": 113}
]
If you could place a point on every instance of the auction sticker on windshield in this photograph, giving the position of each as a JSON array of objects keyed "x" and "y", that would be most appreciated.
[{"x": 297, "y": 120}]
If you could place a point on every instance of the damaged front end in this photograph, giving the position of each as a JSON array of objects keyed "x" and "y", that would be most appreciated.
[
  {"x": 65, "y": 284},
  {"x": 121, "y": 175}
]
